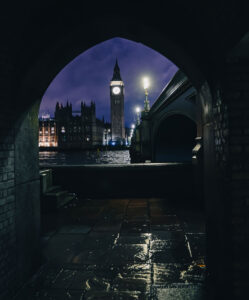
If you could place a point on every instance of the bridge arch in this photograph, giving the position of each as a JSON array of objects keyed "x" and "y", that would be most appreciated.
[{"x": 174, "y": 138}]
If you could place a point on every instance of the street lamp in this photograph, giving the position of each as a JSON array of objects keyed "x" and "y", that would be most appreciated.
[
  {"x": 146, "y": 84},
  {"x": 132, "y": 126},
  {"x": 137, "y": 109}
]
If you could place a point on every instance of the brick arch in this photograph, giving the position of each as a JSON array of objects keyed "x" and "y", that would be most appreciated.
[{"x": 35, "y": 66}]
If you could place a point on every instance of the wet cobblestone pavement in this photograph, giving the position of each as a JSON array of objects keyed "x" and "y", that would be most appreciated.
[{"x": 121, "y": 249}]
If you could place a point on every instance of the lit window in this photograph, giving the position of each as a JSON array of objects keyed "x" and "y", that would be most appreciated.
[{"x": 63, "y": 129}]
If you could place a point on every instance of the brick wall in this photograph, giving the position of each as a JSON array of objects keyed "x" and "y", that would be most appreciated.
[
  {"x": 7, "y": 205},
  {"x": 228, "y": 206},
  {"x": 7, "y": 179},
  {"x": 19, "y": 183},
  {"x": 237, "y": 98}
]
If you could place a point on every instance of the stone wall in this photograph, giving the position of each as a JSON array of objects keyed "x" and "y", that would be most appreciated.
[
  {"x": 134, "y": 180},
  {"x": 236, "y": 95}
]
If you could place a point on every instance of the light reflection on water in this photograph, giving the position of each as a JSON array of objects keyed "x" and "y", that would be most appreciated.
[{"x": 84, "y": 157}]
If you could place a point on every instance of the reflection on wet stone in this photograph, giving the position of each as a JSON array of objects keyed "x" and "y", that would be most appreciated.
[
  {"x": 166, "y": 273},
  {"x": 122, "y": 249}
]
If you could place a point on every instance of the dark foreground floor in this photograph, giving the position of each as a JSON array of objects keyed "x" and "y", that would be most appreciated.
[{"x": 121, "y": 249}]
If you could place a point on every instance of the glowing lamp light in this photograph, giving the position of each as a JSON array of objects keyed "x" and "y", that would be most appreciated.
[
  {"x": 137, "y": 109},
  {"x": 132, "y": 126},
  {"x": 146, "y": 82}
]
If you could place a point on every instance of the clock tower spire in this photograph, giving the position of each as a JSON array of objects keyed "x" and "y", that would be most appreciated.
[
  {"x": 116, "y": 72},
  {"x": 117, "y": 106}
]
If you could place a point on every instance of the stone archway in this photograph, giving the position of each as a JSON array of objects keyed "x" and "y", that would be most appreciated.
[{"x": 32, "y": 78}]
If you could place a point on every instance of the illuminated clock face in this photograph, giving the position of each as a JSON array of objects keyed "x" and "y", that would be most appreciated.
[{"x": 116, "y": 90}]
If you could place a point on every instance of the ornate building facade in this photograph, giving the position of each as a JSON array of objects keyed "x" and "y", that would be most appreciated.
[
  {"x": 47, "y": 132},
  {"x": 70, "y": 131}
]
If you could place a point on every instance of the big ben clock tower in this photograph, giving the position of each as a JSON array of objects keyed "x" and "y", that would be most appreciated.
[{"x": 117, "y": 106}]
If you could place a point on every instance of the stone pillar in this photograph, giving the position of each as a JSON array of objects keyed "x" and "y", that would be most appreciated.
[{"x": 145, "y": 132}]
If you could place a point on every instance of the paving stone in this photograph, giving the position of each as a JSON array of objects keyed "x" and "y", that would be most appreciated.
[
  {"x": 167, "y": 273},
  {"x": 130, "y": 227},
  {"x": 194, "y": 273},
  {"x": 75, "y": 229},
  {"x": 169, "y": 255},
  {"x": 95, "y": 240},
  {"x": 107, "y": 227},
  {"x": 116, "y": 295},
  {"x": 160, "y": 245},
  {"x": 163, "y": 227},
  {"x": 91, "y": 280},
  {"x": 128, "y": 239},
  {"x": 63, "y": 279},
  {"x": 197, "y": 242},
  {"x": 179, "y": 292},
  {"x": 59, "y": 295},
  {"x": 88, "y": 256},
  {"x": 121, "y": 256},
  {"x": 167, "y": 235},
  {"x": 61, "y": 247}
]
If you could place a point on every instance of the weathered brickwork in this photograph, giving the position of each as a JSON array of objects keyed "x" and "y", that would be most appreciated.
[
  {"x": 7, "y": 207},
  {"x": 8, "y": 240},
  {"x": 235, "y": 149},
  {"x": 221, "y": 129}
]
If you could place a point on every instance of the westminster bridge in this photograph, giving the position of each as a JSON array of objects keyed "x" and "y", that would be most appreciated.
[{"x": 168, "y": 132}]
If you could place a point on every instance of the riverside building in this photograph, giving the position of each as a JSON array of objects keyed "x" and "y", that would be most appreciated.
[{"x": 73, "y": 129}]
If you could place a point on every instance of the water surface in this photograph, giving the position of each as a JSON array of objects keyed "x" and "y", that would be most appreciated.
[{"x": 84, "y": 157}]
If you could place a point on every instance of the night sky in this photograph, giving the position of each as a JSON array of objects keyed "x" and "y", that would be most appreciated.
[{"x": 88, "y": 76}]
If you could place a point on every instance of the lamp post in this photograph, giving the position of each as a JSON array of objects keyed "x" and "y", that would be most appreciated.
[
  {"x": 137, "y": 109},
  {"x": 146, "y": 101}
]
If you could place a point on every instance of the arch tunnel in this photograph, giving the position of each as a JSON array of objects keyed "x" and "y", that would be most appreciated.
[{"x": 34, "y": 51}]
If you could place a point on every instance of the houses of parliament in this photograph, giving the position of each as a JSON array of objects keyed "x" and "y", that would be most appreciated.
[{"x": 71, "y": 129}]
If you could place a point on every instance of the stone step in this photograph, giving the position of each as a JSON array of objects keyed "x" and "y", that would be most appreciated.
[
  {"x": 66, "y": 200},
  {"x": 51, "y": 201},
  {"x": 54, "y": 188}
]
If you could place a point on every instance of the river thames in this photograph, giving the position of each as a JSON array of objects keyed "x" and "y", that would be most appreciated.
[{"x": 84, "y": 157}]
